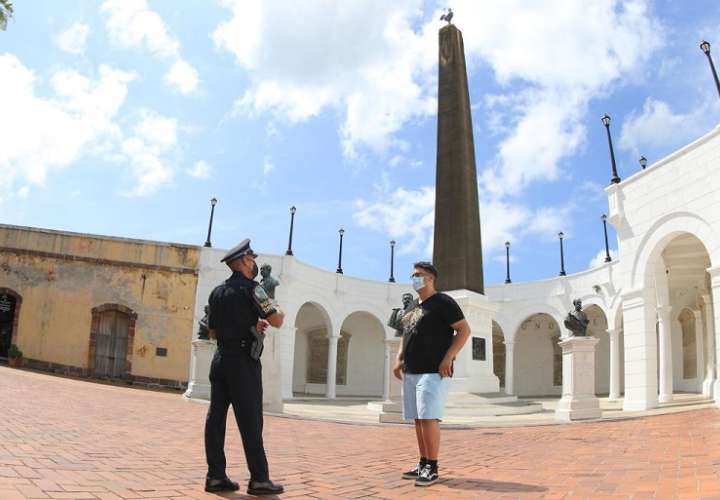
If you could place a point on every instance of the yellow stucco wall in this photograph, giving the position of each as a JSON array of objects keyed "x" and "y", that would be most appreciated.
[{"x": 62, "y": 276}]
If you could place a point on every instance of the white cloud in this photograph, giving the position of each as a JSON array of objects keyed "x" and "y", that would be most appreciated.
[
  {"x": 599, "y": 259},
  {"x": 374, "y": 62},
  {"x": 154, "y": 136},
  {"x": 657, "y": 126},
  {"x": 404, "y": 215},
  {"x": 200, "y": 170},
  {"x": 45, "y": 133},
  {"x": 360, "y": 58},
  {"x": 408, "y": 216},
  {"x": 552, "y": 70},
  {"x": 74, "y": 38},
  {"x": 268, "y": 166},
  {"x": 132, "y": 24},
  {"x": 182, "y": 76}
]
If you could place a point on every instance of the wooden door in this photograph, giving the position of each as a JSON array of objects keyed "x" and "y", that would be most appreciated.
[{"x": 111, "y": 344}]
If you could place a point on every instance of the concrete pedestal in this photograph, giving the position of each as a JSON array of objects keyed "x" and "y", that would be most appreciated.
[
  {"x": 578, "y": 400},
  {"x": 199, "y": 381},
  {"x": 475, "y": 373},
  {"x": 390, "y": 410},
  {"x": 200, "y": 359}
]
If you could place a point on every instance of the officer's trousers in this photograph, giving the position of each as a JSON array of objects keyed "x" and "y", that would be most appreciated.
[{"x": 236, "y": 379}]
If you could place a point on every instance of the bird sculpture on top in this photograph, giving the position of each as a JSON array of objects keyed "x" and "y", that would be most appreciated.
[{"x": 447, "y": 16}]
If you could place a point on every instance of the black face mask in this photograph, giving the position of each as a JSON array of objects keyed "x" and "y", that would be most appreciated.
[{"x": 255, "y": 271}]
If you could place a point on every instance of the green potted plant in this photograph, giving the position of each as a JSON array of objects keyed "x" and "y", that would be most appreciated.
[{"x": 15, "y": 356}]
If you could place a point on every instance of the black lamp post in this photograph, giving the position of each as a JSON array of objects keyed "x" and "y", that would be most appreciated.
[
  {"x": 607, "y": 247},
  {"x": 606, "y": 121},
  {"x": 213, "y": 202},
  {"x": 561, "y": 235},
  {"x": 507, "y": 262},
  {"x": 643, "y": 162},
  {"x": 339, "y": 269},
  {"x": 392, "y": 262},
  {"x": 292, "y": 223},
  {"x": 705, "y": 47}
]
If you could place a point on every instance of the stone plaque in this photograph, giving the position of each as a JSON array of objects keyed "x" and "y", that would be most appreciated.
[
  {"x": 478, "y": 348},
  {"x": 318, "y": 358}
]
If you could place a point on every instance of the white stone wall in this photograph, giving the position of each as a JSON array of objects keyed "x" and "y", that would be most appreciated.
[{"x": 675, "y": 196}]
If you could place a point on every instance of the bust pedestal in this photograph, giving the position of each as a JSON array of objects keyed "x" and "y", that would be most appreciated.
[
  {"x": 200, "y": 360},
  {"x": 390, "y": 410},
  {"x": 578, "y": 390}
]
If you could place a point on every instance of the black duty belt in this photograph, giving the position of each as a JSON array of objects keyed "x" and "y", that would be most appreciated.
[{"x": 235, "y": 347}]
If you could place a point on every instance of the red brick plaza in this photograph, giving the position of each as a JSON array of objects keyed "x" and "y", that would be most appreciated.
[{"x": 65, "y": 438}]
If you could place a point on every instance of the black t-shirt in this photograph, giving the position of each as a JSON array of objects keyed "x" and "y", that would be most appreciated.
[
  {"x": 427, "y": 334},
  {"x": 235, "y": 307}
]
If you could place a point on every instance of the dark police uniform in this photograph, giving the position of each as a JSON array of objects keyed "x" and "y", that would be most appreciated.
[{"x": 236, "y": 378}]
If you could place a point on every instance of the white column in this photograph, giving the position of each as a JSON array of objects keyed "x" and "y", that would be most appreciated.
[
  {"x": 710, "y": 374},
  {"x": 666, "y": 357},
  {"x": 286, "y": 337},
  {"x": 387, "y": 372},
  {"x": 715, "y": 291},
  {"x": 641, "y": 389},
  {"x": 614, "y": 364},
  {"x": 510, "y": 368},
  {"x": 331, "y": 367}
]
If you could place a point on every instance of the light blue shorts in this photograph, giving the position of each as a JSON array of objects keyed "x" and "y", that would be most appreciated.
[{"x": 424, "y": 395}]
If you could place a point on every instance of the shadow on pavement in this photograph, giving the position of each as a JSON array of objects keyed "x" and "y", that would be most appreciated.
[{"x": 488, "y": 485}]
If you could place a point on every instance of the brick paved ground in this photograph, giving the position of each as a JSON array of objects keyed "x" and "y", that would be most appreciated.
[{"x": 64, "y": 438}]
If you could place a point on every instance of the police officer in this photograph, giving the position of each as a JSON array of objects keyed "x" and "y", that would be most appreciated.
[{"x": 240, "y": 311}]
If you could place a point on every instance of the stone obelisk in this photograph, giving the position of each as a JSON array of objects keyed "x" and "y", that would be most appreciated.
[{"x": 457, "y": 252}]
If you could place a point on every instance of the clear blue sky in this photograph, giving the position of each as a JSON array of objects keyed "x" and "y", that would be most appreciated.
[{"x": 125, "y": 117}]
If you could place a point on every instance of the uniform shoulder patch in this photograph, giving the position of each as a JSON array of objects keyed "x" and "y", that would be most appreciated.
[{"x": 263, "y": 300}]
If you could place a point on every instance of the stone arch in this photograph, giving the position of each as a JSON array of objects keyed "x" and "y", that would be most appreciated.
[
  {"x": 99, "y": 315},
  {"x": 538, "y": 357},
  {"x": 512, "y": 324},
  {"x": 597, "y": 328},
  {"x": 660, "y": 234},
  {"x": 14, "y": 320},
  {"x": 313, "y": 325},
  {"x": 362, "y": 358}
]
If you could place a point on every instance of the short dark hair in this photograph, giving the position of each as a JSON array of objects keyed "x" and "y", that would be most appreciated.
[{"x": 427, "y": 267}]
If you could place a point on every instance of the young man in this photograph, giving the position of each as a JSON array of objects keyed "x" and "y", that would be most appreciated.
[{"x": 434, "y": 331}]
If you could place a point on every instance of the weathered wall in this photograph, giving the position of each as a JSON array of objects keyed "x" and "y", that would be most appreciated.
[{"x": 63, "y": 276}]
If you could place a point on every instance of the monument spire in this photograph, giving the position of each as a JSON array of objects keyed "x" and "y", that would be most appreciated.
[{"x": 457, "y": 251}]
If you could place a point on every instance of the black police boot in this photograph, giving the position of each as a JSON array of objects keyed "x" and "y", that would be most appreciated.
[
  {"x": 264, "y": 488},
  {"x": 213, "y": 485}
]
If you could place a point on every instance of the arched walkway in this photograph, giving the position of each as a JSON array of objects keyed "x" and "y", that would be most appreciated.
[
  {"x": 310, "y": 355},
  {"x": 538, "y": 357},
  {"x": 666, "y": 320},
  {"x": 362, "y": 362}
]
